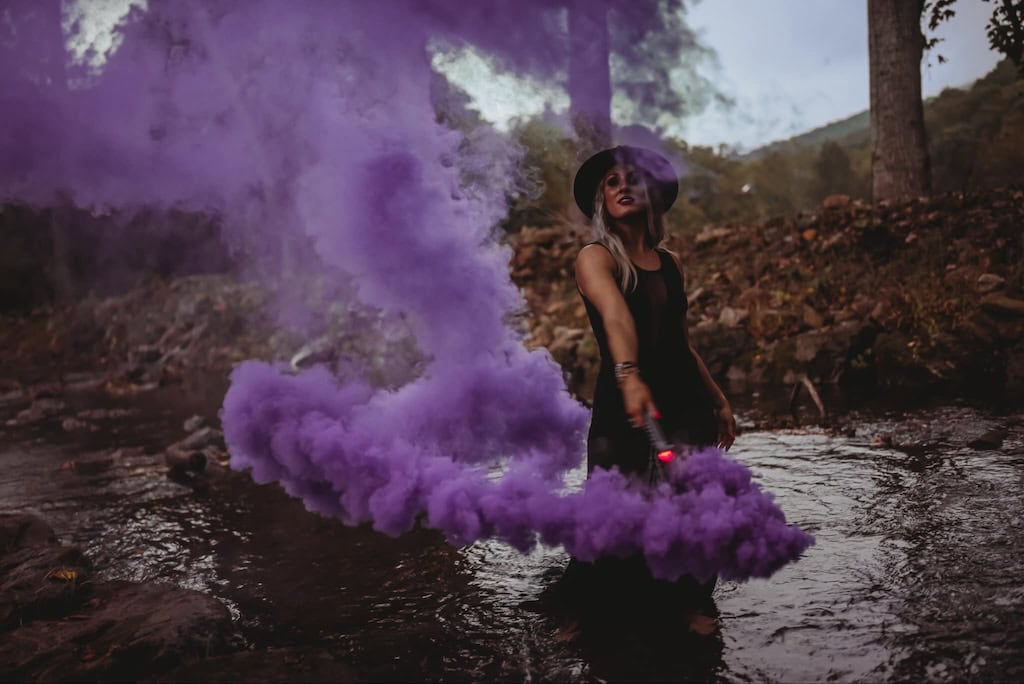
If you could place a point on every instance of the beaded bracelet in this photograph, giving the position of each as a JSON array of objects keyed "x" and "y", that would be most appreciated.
[{"x": 625, "y": 368}]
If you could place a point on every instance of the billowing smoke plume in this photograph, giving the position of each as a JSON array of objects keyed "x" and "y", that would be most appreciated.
[{"x": 316, "y": 117}]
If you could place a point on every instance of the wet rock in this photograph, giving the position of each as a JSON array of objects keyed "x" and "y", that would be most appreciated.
[
  {"x": 185, "y": 459},
  {"x": 42, "y": 407},
  {"x": 23, "y": 530},
  {"x": 41, "y": 581},
  {"x": 83, "y": 381},
  {"x": 808, "y": 346},
  {"x": 272, "y": 665},
  {"x": 10, "y": 390},
  {"x": 836, "y": 353},
  {"x": 203, "y": 438},
  {"x": 1010, "y": 329},
  {"x": 190, "y": 457},
  {"x": 92, "y": 464},
  {"x": 987, "y": 282},
  {"x": 812, "y": 318},
  {"x": 711, "y": 234},
  {"x": 123, "y": 631},
  {"x": 863, "y": 305},
  {"x": 145, "y": 354},
  {"x": 76, "y": 425},
  {"x": 836, "y": 201},
  {"x": 720, "y": 345},
  {"x": 989, "y": 440},
  {"x": 736, "y": 375},
  {"x": 198, "y": 482},
  {"x": 193, "y": 423},
  {"x": 106, "y": 414},
  {"x": 999, "y": 304},
  {"x": 981, "y": 327},
  {"x": 122, "y": 387},
  {"x": 731, "y": 317},
  {"x": 565, "y": 341}
]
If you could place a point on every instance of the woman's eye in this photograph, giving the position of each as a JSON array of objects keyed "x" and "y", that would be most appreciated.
[
  {"x": 631, "y": 179},
  {"x": 612, "y": 182}
]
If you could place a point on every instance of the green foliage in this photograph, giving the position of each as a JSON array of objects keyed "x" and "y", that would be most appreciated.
[
  {"x": 549, "y": 159},
  {"x": 1005, "y": 28},
  {"x": 975, "y": 135},
  {"x": 1005, "y": 31}
]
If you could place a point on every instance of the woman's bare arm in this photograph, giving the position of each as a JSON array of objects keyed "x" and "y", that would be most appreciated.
[{"x": 595, "y": 277}]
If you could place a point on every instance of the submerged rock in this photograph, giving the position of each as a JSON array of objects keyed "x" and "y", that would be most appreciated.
[{"x": 989, "y": 440}]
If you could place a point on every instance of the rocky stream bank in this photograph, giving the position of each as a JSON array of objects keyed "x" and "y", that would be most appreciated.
[
  {"x": 921, "y": 295},
  {"x": 926, "y": 295}
]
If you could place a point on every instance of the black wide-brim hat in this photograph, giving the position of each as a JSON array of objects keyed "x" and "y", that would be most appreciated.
[{"x": 662, "y": 178}]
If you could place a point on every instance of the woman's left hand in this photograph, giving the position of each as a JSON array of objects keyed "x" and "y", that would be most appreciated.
[{"x": 726, "y": 427}]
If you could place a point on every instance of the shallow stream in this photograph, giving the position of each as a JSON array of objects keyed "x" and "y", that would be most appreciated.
[{"x": 917, "y": 574}]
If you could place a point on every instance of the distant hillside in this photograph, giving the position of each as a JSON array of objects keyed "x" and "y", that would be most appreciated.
[
  {"x": 856, "y": 130},
  {"x": 853, "y": 130},
  {"x": 975, "y": 142}
]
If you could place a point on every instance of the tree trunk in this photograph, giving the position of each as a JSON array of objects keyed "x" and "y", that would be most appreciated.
[
  {"x": 590, "y": 84},
  {"x": 54, "y": 70},
  {"x": 899, "y": 158},
  {"x": 64, "y": 288}
]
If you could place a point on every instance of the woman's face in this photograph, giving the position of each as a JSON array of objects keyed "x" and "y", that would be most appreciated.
[{"x": 624, "y": 193}]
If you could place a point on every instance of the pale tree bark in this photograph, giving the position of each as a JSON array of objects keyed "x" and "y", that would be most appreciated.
[
  {"x": 899, "y": 157},
  {"x": 590, "y": 83}
]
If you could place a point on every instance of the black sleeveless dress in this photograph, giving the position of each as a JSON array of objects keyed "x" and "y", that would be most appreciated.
[
  {"x": 658, "y": 306},
  {"x": 611, "y": 589}
]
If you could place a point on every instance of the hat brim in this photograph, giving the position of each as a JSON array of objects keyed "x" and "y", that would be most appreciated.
[{"x": 658, "y": 169}]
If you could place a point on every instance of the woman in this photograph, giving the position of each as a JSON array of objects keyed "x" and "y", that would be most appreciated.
[
  {"x": 634, "y": 294},
  {"x": 633, "y": 290}
]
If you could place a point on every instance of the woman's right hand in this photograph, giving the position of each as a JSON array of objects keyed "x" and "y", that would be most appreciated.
[{"x": 636, "y": 396}]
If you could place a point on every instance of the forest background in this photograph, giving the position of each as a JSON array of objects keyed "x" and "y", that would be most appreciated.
[{"x": 793, "y": 268}]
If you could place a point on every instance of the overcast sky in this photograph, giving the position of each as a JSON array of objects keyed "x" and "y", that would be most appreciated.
[
  {"x": 789, "y": 65},
  {"x": 793, "y": 65}
]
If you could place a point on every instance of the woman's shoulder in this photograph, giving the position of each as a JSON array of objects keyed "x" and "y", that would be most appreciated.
[
  {"x": 594, "y": 252},
  {"x": 668, "y": 256},
  {"x": 594, "y": 260},
  {"x": 671, "y": 256}
]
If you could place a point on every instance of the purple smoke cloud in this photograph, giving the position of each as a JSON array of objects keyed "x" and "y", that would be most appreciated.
[
  {"x": 314, "y": 119},
  {"x": 366, "y": 456}
]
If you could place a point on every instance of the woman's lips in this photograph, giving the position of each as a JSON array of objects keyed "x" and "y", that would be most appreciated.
[{"x": 625, "y": 200}]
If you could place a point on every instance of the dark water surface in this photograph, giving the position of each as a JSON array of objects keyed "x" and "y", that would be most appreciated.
[{"x": 918, "y": 572}]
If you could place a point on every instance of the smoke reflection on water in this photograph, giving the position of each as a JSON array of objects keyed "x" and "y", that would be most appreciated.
[{"x": 915, "y": 573}]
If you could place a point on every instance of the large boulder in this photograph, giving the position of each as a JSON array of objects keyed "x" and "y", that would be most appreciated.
[
  {"x": 836, "y": 353},
  {"x": 124, "y": 632},
  {"x": 38, "y": 578},
  {"x": 719, "y": 345},
  {"x": 21, "y": 530},
  {"x": 41, "y": 581}
]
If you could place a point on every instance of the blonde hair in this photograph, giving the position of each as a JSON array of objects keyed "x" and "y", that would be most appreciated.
[{"x": 605, "y": 235}]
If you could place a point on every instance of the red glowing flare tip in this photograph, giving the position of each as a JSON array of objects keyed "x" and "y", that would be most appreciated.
[{"x": 665, "y": 456}]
